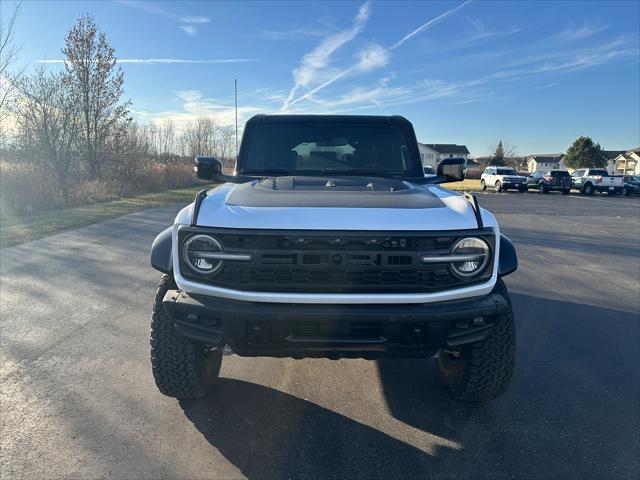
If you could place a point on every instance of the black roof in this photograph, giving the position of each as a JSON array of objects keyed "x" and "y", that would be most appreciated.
[
  {"x": 262, "y": 118},
  {"x": 447, "y": 148},
  {"x": 611, "y": 154},
  {"x": 547, "y": 157}
]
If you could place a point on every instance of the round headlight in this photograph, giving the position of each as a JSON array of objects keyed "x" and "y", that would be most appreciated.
[
  {"x": 199, "y": 253},
  {"x": 476, "y": 255}
]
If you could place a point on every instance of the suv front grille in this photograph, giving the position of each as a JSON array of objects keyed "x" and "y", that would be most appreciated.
[{"x": 337, "y": 262}]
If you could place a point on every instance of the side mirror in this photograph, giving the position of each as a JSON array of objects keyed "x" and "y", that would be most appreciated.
[
  {"x": 452, "y": 169},
  {"x": 207, "y": 168}
]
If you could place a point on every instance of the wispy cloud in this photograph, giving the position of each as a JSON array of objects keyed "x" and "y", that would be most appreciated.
[
  {"x": 375, "y": 56},
  {"x": 586, "y": 30},
  {"x": 481, "y": 32},
  {"x": 189, "y": 30},
  {"x": 429, "y": 24},
  {"x": 186, "y": 23},
  {"x": 195, "y": 19},
  {"x": 319, "y": 58},
  {"x": 156, "y": 61},
  {"x": 195, "y": 104},
  {"x": 291, "y": 34}
]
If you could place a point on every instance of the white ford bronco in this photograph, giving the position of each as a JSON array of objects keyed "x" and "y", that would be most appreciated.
[{"x": 328, "y": 241}]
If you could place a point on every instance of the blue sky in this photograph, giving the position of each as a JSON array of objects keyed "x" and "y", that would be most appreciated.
[{"x": 536, "y": 74}]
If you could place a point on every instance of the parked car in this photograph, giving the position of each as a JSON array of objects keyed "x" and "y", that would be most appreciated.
[
  {"x": 429, "y": 171},
  {"x": 589, "y": 180},
  {"x": 323, "y": 254},
  {"x": 631, "y": 185},
  {"x": 502, "y": 178},
  {"x": 550, "y": 180}
]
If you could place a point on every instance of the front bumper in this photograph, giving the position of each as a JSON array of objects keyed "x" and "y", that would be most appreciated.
[
  {"x": 514, "y": 185},
  {"x": 332, "y": 331}
]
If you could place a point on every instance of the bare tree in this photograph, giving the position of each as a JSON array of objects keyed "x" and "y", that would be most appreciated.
[
  {"x": 90, "y": 72},
  {"x": 47, "y": 120},
  {"x": 201, "y": 137},
  {"x": 8, "y": 55},
  {"x": 227, "y": 150},
  {"x": 167, "y": 138},
  {"x": 501, "y": 153}
]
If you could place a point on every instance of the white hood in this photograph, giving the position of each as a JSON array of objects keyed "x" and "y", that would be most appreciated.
[{"x": 452, "y": 212}]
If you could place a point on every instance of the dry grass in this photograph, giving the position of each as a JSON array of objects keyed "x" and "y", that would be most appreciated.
[
  {"x": 468, "y": 184},
  {"x": 23, "y": 228},
  {"x": 25, "y": 189}
]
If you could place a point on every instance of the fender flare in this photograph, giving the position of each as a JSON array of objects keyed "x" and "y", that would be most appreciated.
[
  {"x": 161, "y": 256},
  {"x": 508, "y": 261}
]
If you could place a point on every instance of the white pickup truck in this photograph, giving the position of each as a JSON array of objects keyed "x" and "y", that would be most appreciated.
[{"x": 589, "y": 180}]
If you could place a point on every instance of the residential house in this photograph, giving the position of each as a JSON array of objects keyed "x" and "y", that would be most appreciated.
[
  {"x": 432, "y": 153},
  {"x": 545, "y": 161},
  {"x": 624, "y": 162}
]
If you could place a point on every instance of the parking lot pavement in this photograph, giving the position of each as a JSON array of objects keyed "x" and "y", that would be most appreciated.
[{"x": 78, "y": 399}]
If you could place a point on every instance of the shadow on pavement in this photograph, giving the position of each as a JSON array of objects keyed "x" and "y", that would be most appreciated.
[
  {"x": 571, "y": 410},
  {"x": 270, "y": 434}
]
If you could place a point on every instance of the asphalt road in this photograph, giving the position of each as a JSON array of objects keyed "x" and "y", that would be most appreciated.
[{"x": 78, "y": 399}]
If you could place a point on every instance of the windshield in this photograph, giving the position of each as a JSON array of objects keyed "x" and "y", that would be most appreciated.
[
  {"x": 507, "y": 171},
  {"x": 600, "y": 173},
  {"x": 329, "y": 148}
]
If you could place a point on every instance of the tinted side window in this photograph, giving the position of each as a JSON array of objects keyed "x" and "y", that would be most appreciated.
[{"x": 560, "y": 174}]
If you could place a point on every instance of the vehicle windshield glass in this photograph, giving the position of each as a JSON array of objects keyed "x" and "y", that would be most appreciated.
[
  {"x": 325, "y": 148},
  {"x": 559, "y": 173},
  {"x": 601, "y": 173},
  {"x": 507, "y": 171}
]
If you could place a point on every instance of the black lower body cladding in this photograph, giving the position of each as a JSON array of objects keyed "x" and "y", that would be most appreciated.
[
  {"x": 332, "y": 331},
  {"x": 474, "y": 338}
]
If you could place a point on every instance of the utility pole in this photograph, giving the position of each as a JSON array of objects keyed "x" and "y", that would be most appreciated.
[{"x": 235, "y": 84}]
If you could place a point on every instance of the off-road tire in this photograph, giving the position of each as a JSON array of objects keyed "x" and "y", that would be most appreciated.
[
  {"x": 181, "y": 368},
  {"x": 482, "y": 370},
  {"x": 498, "y": 186},
  {"x": 542, "y": 188},
  {"x": 566, "y": 192},
  {"x": 483, "y": 186},
  {"x": 624, "y": 192},
  {"x": 588, "y": 189},
  {"x": 522, "y": 189}
]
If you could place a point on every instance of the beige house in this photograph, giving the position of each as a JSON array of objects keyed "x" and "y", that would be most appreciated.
[
  {"x": 432, "y": 153},
  {"x": 625, "y": 163},
  {"x": 545, "y": 161}
]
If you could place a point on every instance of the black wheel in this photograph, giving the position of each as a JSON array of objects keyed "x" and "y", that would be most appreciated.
[
  {"x": 181, "y": 368},
  {"x": 624, "y": 192},
  {"x": 498, "y": 186},
  {"x": 522, "y": 189},
  {"x": 482, "y": 370},
  {"x": 542, "y": 188},
  {"x": 588, "y": 189},
  {"x": 483, "y": 186},
  {"x": 566, "y": 192}
]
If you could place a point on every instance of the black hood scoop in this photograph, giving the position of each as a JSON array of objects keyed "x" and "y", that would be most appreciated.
[
  {"x": 332, "y": 192},
  {"x": 342, "y": 184}
]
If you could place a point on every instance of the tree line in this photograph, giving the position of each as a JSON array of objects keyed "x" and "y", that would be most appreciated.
[
  {"x": 583, "y": 153},
  {"x": 67, "y": 135}
]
